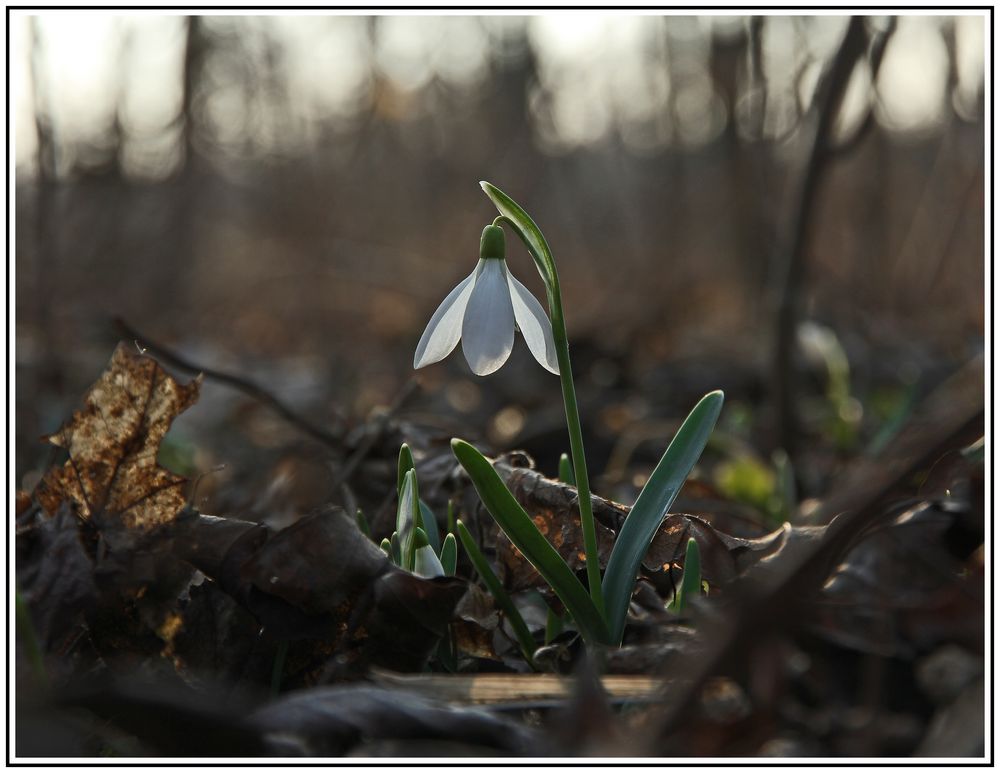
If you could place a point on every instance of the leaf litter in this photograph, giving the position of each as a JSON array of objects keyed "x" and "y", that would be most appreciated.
[{"x": 143, "y": 606}]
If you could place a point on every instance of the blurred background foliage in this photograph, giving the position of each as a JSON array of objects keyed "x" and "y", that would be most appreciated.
[{"x": 290, "y": 198}]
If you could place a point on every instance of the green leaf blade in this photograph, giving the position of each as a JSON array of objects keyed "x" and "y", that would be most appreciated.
[
  {"x": 403, "y": 466},
  {"x": 408, "y": 518},
  {"x": 449, "y": 555},
  {"x": 566, "y": 474},
  {"x": 429, "y": 522},
  {"x": 691, "y": 579},
  {"x": 523, "y": 533},
  {"x": 652, "y": 505}
]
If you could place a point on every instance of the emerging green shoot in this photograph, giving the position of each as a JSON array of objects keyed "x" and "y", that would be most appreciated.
[
  {"x": 449, "y": 554},
  {"x": 566, "y": 470},
  {"x": 690, "y": 586}
]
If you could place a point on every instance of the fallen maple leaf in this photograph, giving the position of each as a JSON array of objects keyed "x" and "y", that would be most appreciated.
[{"x": 111, "y": 473}]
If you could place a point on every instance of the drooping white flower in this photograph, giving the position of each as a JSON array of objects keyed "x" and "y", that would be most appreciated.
[{"x": 483, "y": 311}]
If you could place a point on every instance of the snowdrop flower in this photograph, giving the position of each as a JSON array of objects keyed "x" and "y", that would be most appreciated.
[{"x": 483, "y": 311}]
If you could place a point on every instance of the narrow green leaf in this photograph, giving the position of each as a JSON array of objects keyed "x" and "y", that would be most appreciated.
[
  {"x": 449, "y": 554},
  {"x": 691, "y": 579},
  {"x": 425, "y": 517},
  {"x": 566, "y": 470},
  {"x": 786, "y": 496},
  {"x": 403, "y": 466},
  {"x": 652, "y": 505},
  {"x": 408, "y": 517},
  {"x": 530, "y": 233},
  {"x": 451, "y": 517},
  {"x": 499, "y": 594},
  {"x": 386, "y": 546},
  {"x": 521, "y": 531},
  {"x": 429, "y": 522},
  {"x": 396, "y": 549}
]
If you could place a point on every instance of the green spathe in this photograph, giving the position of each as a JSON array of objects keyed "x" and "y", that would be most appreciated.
[{"x": 493, "y": 244}]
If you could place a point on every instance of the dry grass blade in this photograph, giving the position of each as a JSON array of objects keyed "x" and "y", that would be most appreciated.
[{"x": 500, "y": 689}]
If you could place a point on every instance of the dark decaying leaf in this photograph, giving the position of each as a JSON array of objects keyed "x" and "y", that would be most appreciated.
[
  {"x": 476, "y": 620},
  {"x": 219, "y": 637},
  {"x": 328, "y": 721},
  {"x": 553, "y": 506},
  {"x": 172, "y": 720},
  {"x": 55, "y": 576},
  {"x": 318, "y": 564},
  {"x": 410, "y": 615},
  {"x": 89, "y": 604},
  {"x": 718, "y": 564},
  {"x": 901, "y": 590},
  {"x": 112, "y": 474},
  {"x": 165, "y": 716},
  {"x": 322, "y": 579}
]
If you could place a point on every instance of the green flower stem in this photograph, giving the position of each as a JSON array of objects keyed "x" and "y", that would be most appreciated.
[{"x": 573, "y": 425}]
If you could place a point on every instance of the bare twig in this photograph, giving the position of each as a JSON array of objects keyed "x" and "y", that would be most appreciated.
[
  {"x": 362, "y": 451},
  {"x": 237, "y": 382},
  {"x": 792, "y": 276}
]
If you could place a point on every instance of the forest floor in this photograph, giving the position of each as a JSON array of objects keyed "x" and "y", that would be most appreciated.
[{"x": 167, "y": 607}]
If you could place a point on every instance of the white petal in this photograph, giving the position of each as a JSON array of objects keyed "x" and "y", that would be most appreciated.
[
  {"x": 488, "y": 327},
  {"x": 445, "y": 328},
  {"x": 534, "y": 324}
]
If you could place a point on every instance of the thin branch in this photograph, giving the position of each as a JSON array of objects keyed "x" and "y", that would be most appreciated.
[
  {"x": 794, "y": 269},
  {"x": 237, "y": 382},
  {"x": 362, "y": 451}
]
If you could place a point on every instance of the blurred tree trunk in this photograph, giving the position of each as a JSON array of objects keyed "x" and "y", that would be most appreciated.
[
  {"x": 179, "y": 265},
  {"x": 737, "y": 75},
  {"x": 44, "y": 270}
]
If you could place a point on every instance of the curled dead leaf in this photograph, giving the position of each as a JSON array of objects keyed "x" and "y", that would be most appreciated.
[{"x": 322, "y": 582}]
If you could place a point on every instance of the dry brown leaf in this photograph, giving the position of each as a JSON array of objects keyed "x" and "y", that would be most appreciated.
[{"x": 112, "y": 443}]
